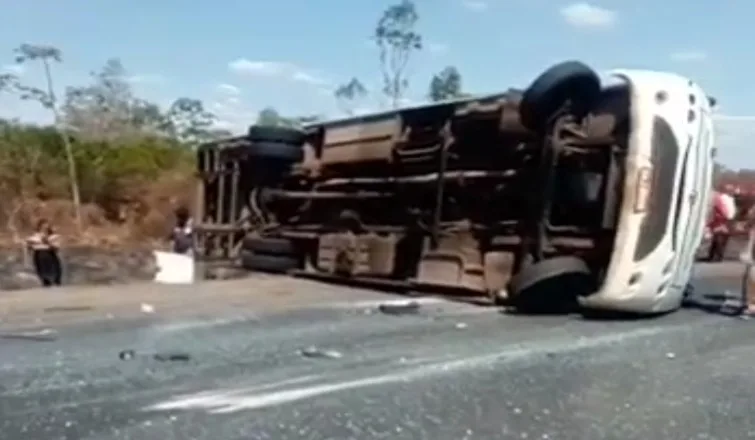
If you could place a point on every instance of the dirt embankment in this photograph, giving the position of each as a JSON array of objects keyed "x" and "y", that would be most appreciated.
[{"x": 82, "y": 265}]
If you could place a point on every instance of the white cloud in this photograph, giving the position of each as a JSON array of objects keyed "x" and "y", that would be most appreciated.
[
  {"x": 689, "y": 55},
  {"x": 243, "y": 66},
  {"x": 587, "y": 16},
  {"x": 232, "y": 114},
  {"x": 266, "y": 68},
  {"x": 15, "y": 69},
  {"x": 308, "y": 78},
  {"x": 475, "y": 5},
  {"x": 228, "y": 89}
]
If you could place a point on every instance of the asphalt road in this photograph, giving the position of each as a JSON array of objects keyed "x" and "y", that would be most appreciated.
[{"x": 450, "y": 372}]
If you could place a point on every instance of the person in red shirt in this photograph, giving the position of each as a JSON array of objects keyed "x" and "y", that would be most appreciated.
[{"x": 722, "y": 212}]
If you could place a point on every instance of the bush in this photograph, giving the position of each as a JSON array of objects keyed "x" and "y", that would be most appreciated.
[{"x": 128, "y": 186}]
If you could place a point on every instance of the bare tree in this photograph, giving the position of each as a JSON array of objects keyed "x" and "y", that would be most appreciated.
[
  {"x": 7, "y": 82},
  {"x": 108, "y": 108},
  {"x": 446, "y": 84},
  {"x": 189, "y": 120},
  {"x": 397, "y": 39},
  {"x": 102, "y": 109},
  {"x": 46, "y": 56},
  {"x": 349, "y": 93}
]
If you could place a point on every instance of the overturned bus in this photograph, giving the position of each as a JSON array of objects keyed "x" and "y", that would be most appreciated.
[{"x": 573, "y": 192}]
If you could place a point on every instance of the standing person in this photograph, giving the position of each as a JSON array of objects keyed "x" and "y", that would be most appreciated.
[
  {"x": 723, "y": 212},
  {"x": 44, "y": 245},
  {"x": 182, "y": 236}
]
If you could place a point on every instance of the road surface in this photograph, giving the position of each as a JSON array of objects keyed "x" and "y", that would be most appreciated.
[{"x": 341, "y": 369}]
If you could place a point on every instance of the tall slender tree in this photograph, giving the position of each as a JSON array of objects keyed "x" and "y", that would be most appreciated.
[
  {"x": 397, "y": 40},
  {"x": 46, "y": 56}
]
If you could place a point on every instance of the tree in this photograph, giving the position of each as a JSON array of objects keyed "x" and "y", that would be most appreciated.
[
  {"x": 348, "y": 94},
  {"x": 446, "y": 84},
  {"x": 7, "y": 81},
  {"x": 269, "y": 116},
  {"x": 46, "y": 55},
  {"x": 397, "y": 40},
  {"x": 108, "y": 109},
  {"x": 189, "y": 120},
  {"x": 148, "y": 118}
]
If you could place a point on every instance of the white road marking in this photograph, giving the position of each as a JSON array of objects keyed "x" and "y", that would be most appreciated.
[
  {"x": 232, "y": 400},
  {"x": 425, "y": 300},
  {"x": 201, "y": 323}
]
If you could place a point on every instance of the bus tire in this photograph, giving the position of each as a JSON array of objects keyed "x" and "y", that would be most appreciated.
[
  {"x": 268, "y": 263},
  {"x": 285, "y": 135},
  {"x": 277, "y": 151},
  {"x": 269, "y": 246},
  {"x": 551, "y": 285},
  {"x": 570, "y": 81}
]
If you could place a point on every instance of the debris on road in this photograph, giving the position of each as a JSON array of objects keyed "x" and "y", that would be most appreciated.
[
  {"x": 461, "y": 325},
  {"x": 44, "y": 335},
  {"x": 172, "y": 357},
  {"x": 147, "y": 308},
  {"x": 725, "y": 303},
  {"x": 68, "y": 309},
  {"x": 127, "y": 355},
  {"x": 314, "y": 352},
  {"x": 399, "y": 308},
  {"x": 670, "y": 355}
]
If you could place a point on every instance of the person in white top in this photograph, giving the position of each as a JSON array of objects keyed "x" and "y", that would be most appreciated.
[
  {"x": 44, "y": 245},
  {"x": 182, "y": 235}
]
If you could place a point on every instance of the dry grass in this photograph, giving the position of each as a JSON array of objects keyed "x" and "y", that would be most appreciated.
[{"x": 144, "y": 216}]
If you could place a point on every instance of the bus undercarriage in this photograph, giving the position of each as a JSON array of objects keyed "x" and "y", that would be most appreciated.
[{"x": 513, "y": 196}]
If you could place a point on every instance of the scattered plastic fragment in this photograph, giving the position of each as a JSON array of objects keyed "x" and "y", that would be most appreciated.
[
  {"x": 44, "y": 335},
  {"x": 400, "y": 308},
  {"x": 461, "y": 325},
  {"x": 126, "y": 355},
  {"x": 68, "y": 309},
  {"x": 172, "y": 357},
  {"x": 147, "y": 308},
  {"x": 314, "y": 352}
]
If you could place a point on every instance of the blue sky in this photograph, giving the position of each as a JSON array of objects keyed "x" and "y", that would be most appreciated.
[{"x": 242, "y": 55}]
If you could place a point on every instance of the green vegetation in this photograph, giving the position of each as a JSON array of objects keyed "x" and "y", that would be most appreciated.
[{"x": 105, "y": 155}]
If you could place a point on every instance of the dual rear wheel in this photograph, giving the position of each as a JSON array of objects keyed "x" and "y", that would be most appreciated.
[{"x": 554, "y": 284}]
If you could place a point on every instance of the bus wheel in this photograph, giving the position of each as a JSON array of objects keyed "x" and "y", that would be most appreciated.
[
  {"x": 269, "y": 246},
  {"x": 285, "y": 153},
  {"x": 283, "y": 135},
  {"x": 569, "y": 82},
  {"x": 268, "y": 263},
  {"x": 551, "y": 285}
]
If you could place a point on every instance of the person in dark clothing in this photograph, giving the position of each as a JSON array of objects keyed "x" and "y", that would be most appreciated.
[
  {"x": 44, "y": 245},
  {"x": 182, "y": 236}
]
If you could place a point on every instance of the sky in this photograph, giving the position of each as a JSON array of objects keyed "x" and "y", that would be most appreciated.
[{"x": 240, "y": 56}]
